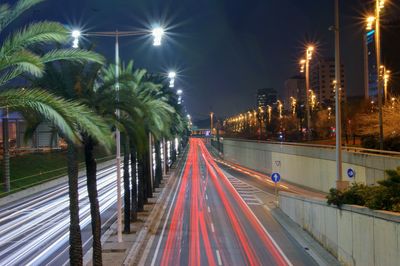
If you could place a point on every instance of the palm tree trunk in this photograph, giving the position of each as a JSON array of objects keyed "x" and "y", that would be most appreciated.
[
  {"x": 91, "y": 175},
  {"x": 75, "y": 240},
  {"x": 149, "y": 188},
  {"x": 134, "y": 205},
  {"x": 158, "y": 176},
  {"x": 127, "y": 194},
  {"x": 141, "y": 185},
  {"x": 6, "y": 153}
]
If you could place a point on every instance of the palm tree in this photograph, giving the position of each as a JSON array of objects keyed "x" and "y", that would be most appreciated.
[{"x": 16, "y": 60}]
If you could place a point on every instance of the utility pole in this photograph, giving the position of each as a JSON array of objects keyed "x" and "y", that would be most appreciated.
[
  {"x": 211, "y": 122},
  {"x": 378, "y": 69},
  {"x": 340, "y": 184}
]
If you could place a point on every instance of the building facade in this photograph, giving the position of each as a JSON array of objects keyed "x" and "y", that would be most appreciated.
[
  {"x": 294, "y": 87},
  {"x": 267, "y": 96},
  {"x": 322, "y": 77}
]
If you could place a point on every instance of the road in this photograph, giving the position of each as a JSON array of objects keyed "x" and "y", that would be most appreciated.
[
  {"x": 209, "y": 223},
  {"x": 35, "y": 230}
]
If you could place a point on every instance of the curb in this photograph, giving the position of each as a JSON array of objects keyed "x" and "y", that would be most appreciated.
[{"x": 153, "y": 220}]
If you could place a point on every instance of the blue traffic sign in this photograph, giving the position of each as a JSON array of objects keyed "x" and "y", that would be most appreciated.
[
  {"x": 351, "y": 173},
  {"x": 275, "y": 177}
]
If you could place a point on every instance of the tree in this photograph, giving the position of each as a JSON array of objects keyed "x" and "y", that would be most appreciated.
[{"x": 17, "y": 59}]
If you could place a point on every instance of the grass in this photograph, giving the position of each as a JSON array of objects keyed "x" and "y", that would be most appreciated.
[{"x": 31, "y": 169}]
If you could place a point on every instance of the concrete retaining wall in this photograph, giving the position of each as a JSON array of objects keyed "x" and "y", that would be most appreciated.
[
  {"x": 355, "y": 235},
  {"x": 313, "y": 167}
]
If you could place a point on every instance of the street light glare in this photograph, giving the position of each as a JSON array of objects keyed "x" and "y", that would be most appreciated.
[
  {"x": 157, "y": 34},
  {"x": 76, "y": 34},
  {"x": 172, "y": 75}
]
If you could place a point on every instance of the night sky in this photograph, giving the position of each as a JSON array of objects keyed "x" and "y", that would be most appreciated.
[{"x": 223, "y": 50}]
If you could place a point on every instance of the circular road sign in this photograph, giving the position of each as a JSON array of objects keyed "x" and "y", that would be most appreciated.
[
  {"x": 275, "y": 177},
  {"x": 351, "y": 173}
]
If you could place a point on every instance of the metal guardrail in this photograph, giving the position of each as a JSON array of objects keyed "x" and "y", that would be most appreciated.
[{"x": 357, "y": 150}]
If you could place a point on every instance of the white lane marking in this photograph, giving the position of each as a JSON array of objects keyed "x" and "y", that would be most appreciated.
[
  {"x": 206, "y": 197},
  {"x": 267, "y": 208},
  {"x": 208, "y": 209},
  {"x": 218, "y": 257},
  {"x": 167, "y": 218},
  {"x": 212, "y": 228},
  {"x": 259, "y": 222}
]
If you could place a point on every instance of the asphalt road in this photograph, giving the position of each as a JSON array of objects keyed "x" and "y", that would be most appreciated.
[
  {"x": 35, "y": 230},
  {"x": 214, "y": 218}
]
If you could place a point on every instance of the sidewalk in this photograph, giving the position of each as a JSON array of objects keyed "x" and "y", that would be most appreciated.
[{"x": 126, "y": 252}]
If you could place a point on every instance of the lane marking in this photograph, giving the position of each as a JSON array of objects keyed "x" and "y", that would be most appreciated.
[
  {"x": 212, "y": 228},
  {"x": 168, "y": 214},
  {"x": 218, "y": 257},
  {"x": 206, "y": 197},
  {"x": 208, "y": 209}
]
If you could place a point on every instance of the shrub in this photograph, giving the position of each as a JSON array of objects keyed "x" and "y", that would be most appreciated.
[{"x": 385, "y": 196}]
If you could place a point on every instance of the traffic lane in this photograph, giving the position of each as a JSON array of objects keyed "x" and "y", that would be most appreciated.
[
  {"x": 255, "y": 242},
  {"x": 266, "y": 180},
  {"x": 171, "y": 220},
  {"x": 226, "y": 242},
  {"x": 297, "y": 254},
  {"x": 39, "y": 236}
]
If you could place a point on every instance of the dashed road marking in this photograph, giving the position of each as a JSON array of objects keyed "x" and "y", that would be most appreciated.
[{"x": 218, "y": 257}]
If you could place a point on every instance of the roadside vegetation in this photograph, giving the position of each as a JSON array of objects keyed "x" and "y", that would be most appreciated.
[
  {"x": 384, "y": 196},
  {"x": 35, "y": 168},
  {"x": 76, "y": 91}
]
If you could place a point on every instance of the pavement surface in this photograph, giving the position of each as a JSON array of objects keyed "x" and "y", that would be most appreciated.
[
  {"x": 35, "y": 229},
  {"x": 214, "y": 218}
]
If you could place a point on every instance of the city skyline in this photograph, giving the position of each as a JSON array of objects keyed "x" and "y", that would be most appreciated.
[{"x": 267, "y": 55}]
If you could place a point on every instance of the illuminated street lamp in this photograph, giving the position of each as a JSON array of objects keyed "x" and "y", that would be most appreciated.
[
  {"x": 293, "y": 104},
  {"x": 157, "y": 34},
  {"x": 280, "y": 109},
  {"x": 305, "y": 67},
  {"x": 75, "y": 35},
  {"x": 385, "y": 74},
  {"x": 370, "y": 22},
  {"x": 379, "y": 5},
  {"x": 172, "y": 76},
  {"x": 269, "y": 113}
]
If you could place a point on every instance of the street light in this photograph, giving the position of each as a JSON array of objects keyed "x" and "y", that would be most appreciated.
[
  {"x": 385, "y": 74},
  {"x": 157, "y": 34},
  {"x": 171, "y": 76},
  {"x": 75, "y": 35},
  {"x": 305, "y": 66},
  {"x": 379, "y": 5}
]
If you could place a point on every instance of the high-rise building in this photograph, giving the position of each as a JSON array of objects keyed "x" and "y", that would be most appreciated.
[
  {"x": 322, "y": 77},
  {"x": 267, "y": 96},
  {"x": 372, "y": 75},
  {"x": 294, "y": 87}
]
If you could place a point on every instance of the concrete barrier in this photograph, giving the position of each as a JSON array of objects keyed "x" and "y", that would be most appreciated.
[
  {"x": 308, "y": 166},
  {"x": 355, "y": 235}
]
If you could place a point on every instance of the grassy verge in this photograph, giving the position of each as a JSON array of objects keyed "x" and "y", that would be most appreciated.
[{"x": 32, "y": 169}]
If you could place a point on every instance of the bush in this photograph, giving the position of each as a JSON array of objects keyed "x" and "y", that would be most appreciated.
[
  {"x": 385, "y": 196},
  {"x": 391, "y": 143}
]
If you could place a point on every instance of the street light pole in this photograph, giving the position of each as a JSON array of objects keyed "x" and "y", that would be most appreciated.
[
  {"x": 308, "y": 59},
  {"x": 340, "y": 185},
  {"x": 378, "y": 7},
  {"x": 157, "y": 34},
  {"x": 118, "y": 144}
]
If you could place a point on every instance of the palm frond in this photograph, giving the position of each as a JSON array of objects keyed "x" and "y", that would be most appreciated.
[
  {"x": 76, "y": 55},
  {"x": 25, "y": 60},
  {"x": 9, "y": 14},
  {"x": 35, "y": 33}
]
